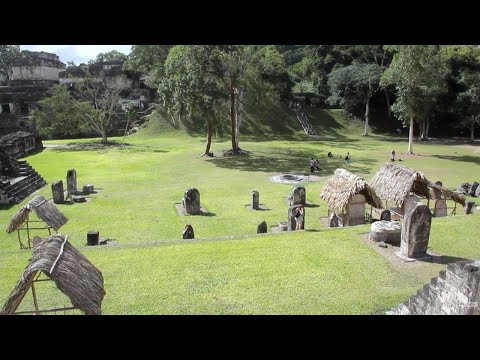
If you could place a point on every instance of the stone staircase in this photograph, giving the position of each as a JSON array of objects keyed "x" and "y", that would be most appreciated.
[
  {"x": 456, "y": 291},
  {"x": 13, "y": 191},
  {"x": 303, "y": 120}
]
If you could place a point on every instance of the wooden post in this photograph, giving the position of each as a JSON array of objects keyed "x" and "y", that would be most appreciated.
[
  {"x": 28, "y": 231},
  {"x": 34, "y": 298}
]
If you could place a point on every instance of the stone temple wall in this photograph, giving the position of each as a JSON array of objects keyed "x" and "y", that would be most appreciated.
[{"x": 456, "y": 291}]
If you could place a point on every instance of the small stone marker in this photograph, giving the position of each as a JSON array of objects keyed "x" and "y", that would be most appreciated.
[
  {"x": 188, "y": 232},
  {"x": 262, "y": 228},
  {"x": 440, "y": 209},
  {"x": 469, "y": 207},
  {"x": 93, "y": 237},
  {"x": 333, "y": 220},
  {"x": 36, "y": 240},
  {"x": 386, "y": 215},
  {"x": 87, "y": 189},
  {"x": 255, "y": 200},
  {"x": 57, "y": 191},
  {"x": 298, "y": 196}
]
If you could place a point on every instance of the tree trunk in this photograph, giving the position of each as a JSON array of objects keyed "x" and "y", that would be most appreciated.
[
  {"x": 209, "y": 136},
  {"x": 367, "y": 116},
  {"x": 410, "y": 137},
  {"x": 428, "y": 127},
  {"x": 238, "y": 117},
  {"x": 472, "y": 131},
  {"x": 104, "y": 136},
  {"x": 232, "y": 113},
  {"x": 388, "y": 103}
]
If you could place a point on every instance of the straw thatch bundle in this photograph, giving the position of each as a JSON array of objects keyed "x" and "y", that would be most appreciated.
[
  {"x": 73, "y": 274},
  {"x": 394, "y": 182},
  {"x": 342, "y": 186},
  {"x": 43, "y": 209}
]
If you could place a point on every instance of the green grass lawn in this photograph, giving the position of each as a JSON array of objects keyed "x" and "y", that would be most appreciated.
[{"x": 230, "y": 269}]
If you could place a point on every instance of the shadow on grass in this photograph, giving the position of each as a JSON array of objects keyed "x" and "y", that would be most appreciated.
[
  {"x": 442, "y": 259},
  {"x": 206, "y": 214},
  {"x": 98, "y": 146},
  {"x": 463, "y": 158},
  {"x": 283, "y": 160}
]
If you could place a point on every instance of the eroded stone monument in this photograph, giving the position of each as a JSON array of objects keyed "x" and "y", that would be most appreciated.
[
  {"x": 416, "y": 231},
  {"x": 440, "y": 209},
  {"x": 262, "y": 228},
  {"x": 333, "y": 220},
  {"x": 298, "y": 196},
  {"x": 191, "y": 201},
  {"x": 469, "y": 207},
  {"x": 71, "y": 182},
  {"x": 188, "y": 232},
  {"x": 57, "y": 191}
]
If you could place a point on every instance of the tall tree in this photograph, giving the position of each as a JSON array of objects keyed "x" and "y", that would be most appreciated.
[
  {"x": 109, "y": 56},
  {"x": 355, "y": 83},
  {"x": 470, "y": 99},
  {"x": 418, "y": 72},
  {"x": 193, "y": 83},
  {"x": 8, "y": 55},
  {"x": 149, "y": 60}
]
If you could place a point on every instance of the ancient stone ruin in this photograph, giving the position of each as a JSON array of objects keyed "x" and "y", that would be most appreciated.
[
  {"x": 20, "y": 144},
  {"x": 386, "y": 231},
  {"x": 386, "y": 215},
  {"x": 262, "y": 228},
  {"x": 297, "y": 196},
  {"x": 333, "y": 220},
  {"x": 469, "y": 207},
  {"x": 57, "y": 191},
  {"x": 416, "y": 232},
  {"x": 93, "y": 238},
  {"x": 188, "y": 232},
  {"x": 456, "y": 291},
  {"x": 191, "y": 201},
  {"x": 88, "y": 189}
]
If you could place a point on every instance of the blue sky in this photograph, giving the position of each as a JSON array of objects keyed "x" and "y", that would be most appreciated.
[{"x": 77, "y": 53}]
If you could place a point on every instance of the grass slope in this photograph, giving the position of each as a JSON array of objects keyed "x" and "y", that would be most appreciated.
[{"x": 318, "y": 271}]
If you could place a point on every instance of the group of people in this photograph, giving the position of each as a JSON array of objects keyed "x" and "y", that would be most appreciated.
[{"x": 314, "y": 165}]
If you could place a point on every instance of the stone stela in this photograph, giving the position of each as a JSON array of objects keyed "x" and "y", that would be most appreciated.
[
  {"x": 297, "y": 197},
  {"x": 71, "y": 182},
  {"x": 188, "y": 232},
  {"x": 57, "y": 191},
  {"x": 416, "y": 232},
  {"x": 191, "y": 201}
]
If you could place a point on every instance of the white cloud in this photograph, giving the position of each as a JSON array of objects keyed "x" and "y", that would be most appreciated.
[{"x": 77, "y": 53}]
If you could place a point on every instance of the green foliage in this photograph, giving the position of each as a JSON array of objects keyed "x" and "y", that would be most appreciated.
[
  {"x": 149, "y": 60},
  {"x": 109, "y": 56},
  {"x": 58, "y": 115},
  {"x": 8, "y": 55}
]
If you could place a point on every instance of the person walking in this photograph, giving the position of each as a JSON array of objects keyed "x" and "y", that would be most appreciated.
[
  {"x": 392, "y": 155},
  {"x": 312, "y": 165},
  {"x": 347, "y": 159}
]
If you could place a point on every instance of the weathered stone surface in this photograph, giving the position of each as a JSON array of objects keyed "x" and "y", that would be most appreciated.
[
  {"x": 292, "y": 222},
  {"x": 72, "y": 182},
  {"x": 410, "y": 202},
  {"x": 416, "y": 232},
  {"x": 456, "y": 291},
  {"x": 188, "y": 232},
  {"x": 333, "y": 220},
  {"x": 386, "y": 215},
  {"x": 36, "y": 240},
  {"x": 262, "y": 228},
  {"x": 57, "y": 191},
  {"x": 473, "y": 189},
  {"x": 93, "y": 237},
  {"x": 298, "y": 196},
  {"x": 255, "y": 200},
  {"x": 440, "y": 208},
  {"x": 469, "y": 207},
  {"x": 191, "y": 201},
  {"x": 78, "y": 199},
  {"x": 477, "y": 192},
  {"x": 386, "y": 231},
  {"x": 87, "y": 189},
  {"x": 382, "y": 244},
  {"x": 463, "y": 188}
]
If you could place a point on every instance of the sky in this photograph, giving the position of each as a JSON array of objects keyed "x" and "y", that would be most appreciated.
[{"x": 77, "y": 53}]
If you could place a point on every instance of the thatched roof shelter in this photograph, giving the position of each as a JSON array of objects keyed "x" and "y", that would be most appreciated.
[
  {"x": 73, "y": 274},
  {"x": 43, "y": 209},
  {"x": 395, "y": 182},
  {"x": 342, "y": 186}
]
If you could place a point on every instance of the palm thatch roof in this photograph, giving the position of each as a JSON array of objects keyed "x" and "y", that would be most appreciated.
[
  {"x": 73, "y": 274},
  {"x": 43, "y": 209},
  {"x": 394, "y": 182},
  {"x": 342, "y": 186}
]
